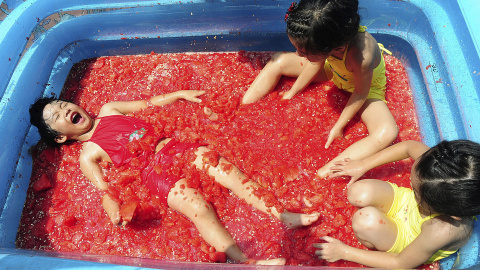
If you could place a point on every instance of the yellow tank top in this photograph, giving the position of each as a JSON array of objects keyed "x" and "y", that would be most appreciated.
[
  {"x": 404, "y": 211},
  {"x": 343, "y": 78}
]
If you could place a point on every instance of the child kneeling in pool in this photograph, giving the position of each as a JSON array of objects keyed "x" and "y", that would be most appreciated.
[{"x": 106, "y": 138}]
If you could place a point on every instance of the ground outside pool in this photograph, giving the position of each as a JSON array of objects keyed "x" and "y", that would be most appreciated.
[{"x": 436, "y": 40}]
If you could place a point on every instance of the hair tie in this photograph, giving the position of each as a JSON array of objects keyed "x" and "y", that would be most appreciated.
[{"x": 292, "y": 7}]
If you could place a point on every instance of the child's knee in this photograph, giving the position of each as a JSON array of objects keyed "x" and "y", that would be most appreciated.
[
  {"x": 365, "y": 220},
  {"x": 386, "y": 134},
  {"x": 390, "y": 132},
  {"x": 202, "y": 209},
  {"x": 189, "y": 206},
  {"x": 227, "y": 174},
  {"x": 358, "y": 193}
]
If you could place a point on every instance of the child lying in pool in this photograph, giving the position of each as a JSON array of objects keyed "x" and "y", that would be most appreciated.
[
  {"x": 410, "y": 227},
  {"x": 106, "y": 138}
]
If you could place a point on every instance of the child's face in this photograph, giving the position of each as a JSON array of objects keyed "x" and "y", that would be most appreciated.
[
  {"x": 310, "y": 57},
  {"x": 67, "y": 118}
]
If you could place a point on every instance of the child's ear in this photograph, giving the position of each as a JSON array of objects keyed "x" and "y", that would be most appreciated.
[{"x": 61, "y": 139}]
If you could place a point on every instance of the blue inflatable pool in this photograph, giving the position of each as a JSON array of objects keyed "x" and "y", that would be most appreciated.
[{"x": 41, "y": 40}]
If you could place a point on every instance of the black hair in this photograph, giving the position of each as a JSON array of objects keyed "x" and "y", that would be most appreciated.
[
  {"x": 47, "y": 134},
  {"x": 319, "y": 26},
  {"x": 449, "y": 176}
]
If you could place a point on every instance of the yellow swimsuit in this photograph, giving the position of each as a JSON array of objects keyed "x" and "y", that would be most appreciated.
[
  {"x": 335, "y": 69},
  {"x": 405, "y": 213}
]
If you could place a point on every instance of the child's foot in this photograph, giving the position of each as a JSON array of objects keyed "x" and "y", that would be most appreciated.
[
  {"x": 278, "y": 261},
  {"x": 294, "y": 220}
]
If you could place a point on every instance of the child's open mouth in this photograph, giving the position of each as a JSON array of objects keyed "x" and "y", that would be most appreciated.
[{"x": 76, "y": 118}]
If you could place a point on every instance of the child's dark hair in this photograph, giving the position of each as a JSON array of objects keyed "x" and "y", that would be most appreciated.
[
  {"x": 449, "y": 175},
  {"x": 319, "y": 26},
  {"x": 47, "y": 134}
]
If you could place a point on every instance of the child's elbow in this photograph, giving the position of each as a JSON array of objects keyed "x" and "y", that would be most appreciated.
[{"x": 404, "y": 261}]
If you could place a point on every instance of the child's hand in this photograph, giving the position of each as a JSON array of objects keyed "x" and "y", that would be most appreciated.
[
  {"x": 335, "y": 133},
  {"x": 348, "y": 167},
  {"x": 116, "y": 219},
  {"x": 288, "y": 94},
  {"x": 191, "y": 95},
  {"x": 331, "y": 251},
  {"x": 113, "y": 210}
]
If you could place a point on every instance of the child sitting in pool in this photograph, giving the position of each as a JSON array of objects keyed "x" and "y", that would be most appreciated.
[
  {"x": 409, "y": 227},
  {"x": 331, "y": 45},
  {"x": 107, "y": 137}
]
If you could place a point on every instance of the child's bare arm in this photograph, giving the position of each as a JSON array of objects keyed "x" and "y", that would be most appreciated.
[
  {"x": 396, "y": 152},
  {"x": 190, "y": 95},
  {"x": 362, "y": 69},
  {"x": 304, "y": 79},
  {"x": 399, "y": 151},
  {"x": 354, "y": 104},
  {"x": 112, "y": 208},
  {"x": 90, "y": 165},
  {"x": 334, "y": 250},
  {"x": 124, "y": 107},
  {"x": 415, "y": 254}
]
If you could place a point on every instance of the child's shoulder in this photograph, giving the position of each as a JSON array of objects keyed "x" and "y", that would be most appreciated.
[
  {"x": 105, "y": 110},
  {"x": 449, "y": 227},
  {"x": 441, "y": 233},
  {"x": 108, "y": 109},
  {"x": 364, "y": 42},
  {"x": 91, "y": 152},
  {"x": 363, "y": 50}
]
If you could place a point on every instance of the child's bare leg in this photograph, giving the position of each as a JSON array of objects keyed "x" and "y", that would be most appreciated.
[
  {"x": 294, "y": 220},
  {"x": 371, "y": 225},
  {"x": 382, "y": 130},
  {"x": 234, "y": 180},
  {"x": 191, "y": 203},
  {"x": 281, "y": 64}
]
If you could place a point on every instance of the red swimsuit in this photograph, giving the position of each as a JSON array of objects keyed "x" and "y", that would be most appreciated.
[{"x": 114, "y": 132}]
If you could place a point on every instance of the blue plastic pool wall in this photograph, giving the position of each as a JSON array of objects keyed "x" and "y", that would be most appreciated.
[{"x": 432, "y": 39}]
